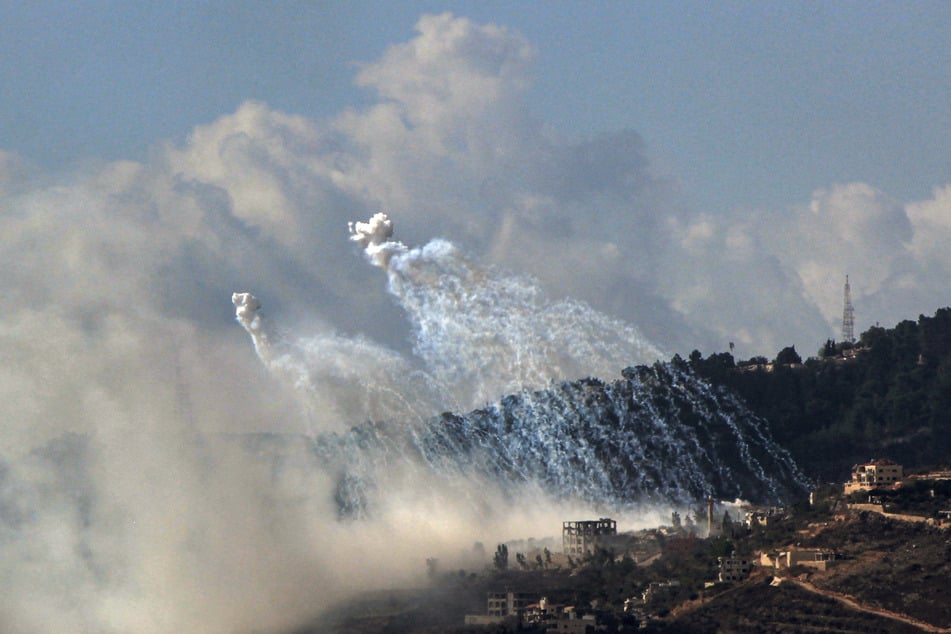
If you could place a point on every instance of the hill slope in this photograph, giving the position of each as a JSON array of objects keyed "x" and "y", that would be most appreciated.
[
  {"x": 892, "y": 398},
  {"x": 659, "y": 434}
]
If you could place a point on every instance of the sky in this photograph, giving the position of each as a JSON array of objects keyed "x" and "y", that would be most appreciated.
[
  {"x": 675, "y": 175},
  {"x": 744, "y": 113},
  {"x": 747, "y": 104}
]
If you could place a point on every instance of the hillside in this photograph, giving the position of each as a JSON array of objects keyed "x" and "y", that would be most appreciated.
[
  {"x": 890, "y": 395},
  {"x": 658, "y": 434},
  {"x": 759, "y": 607},
  {"x": 888, "y": 576}
]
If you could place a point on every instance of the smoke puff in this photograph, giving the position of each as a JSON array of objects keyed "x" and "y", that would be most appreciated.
[
  {"x": 246, "y": 307},
  {"x": 372, "y": 233}
]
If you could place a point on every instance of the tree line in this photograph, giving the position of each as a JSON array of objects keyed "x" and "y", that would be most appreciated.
[{"x": 888, "y": 395}]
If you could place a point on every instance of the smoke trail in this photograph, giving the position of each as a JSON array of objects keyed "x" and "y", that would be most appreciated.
[
  {"x": 484, "y": 334},
  {"x": 657, "y": 436},
  {"x": 341, "y": 379}
]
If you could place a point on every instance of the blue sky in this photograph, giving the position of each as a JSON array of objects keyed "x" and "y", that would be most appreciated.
[
  {"x": 747, "y": 104},
  {"x": 804, "y": 140}
]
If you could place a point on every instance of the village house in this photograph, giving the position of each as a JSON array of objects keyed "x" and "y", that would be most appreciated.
[
  {"x": 542, "y": 612},
  {"x": 658, "y": 588},
  {"x": 875, "y": 474},
  {"x": 507, "y": 603},
  {"x": 763, "y": 516},
  {"x": 572, "y": 624},
  {"x": 499, "y": 607},
  {"x": 733, "y": 568},
  {"x": 818, "y": 558}
]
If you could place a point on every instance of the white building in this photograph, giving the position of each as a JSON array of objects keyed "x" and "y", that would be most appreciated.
[{"x": 875, "y": 474}]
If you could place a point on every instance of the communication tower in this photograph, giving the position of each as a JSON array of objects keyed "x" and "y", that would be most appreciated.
[{"x": 848, "y": 315}]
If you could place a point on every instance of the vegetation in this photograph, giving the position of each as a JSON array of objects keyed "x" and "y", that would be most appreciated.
[
  {"x": 907, "y": 572},
  {"x": 915, "y": 497},
  {"x": 758, "y": 607},
  {"x": 890, "y": 395}
]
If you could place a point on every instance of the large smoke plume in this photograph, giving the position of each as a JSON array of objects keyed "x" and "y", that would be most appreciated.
[{"x": 125, "y": 502}]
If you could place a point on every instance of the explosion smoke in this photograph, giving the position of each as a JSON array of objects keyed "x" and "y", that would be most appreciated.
[
  {"x": 484, "y": 334},
  {"x": 374, "y": 236},
  {"x": 246, "y": 308},
  {"x": 481, "y": 336}
]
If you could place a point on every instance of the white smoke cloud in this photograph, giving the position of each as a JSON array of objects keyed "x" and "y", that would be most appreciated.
[
  {"x": 482, "y": 334},
  {"x": 119, "y": 346}
]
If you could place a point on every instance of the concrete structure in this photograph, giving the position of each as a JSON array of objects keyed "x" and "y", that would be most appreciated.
[
  {"x": 812, "y": 557},
  {"x": 875, "y": 474},
  {"x": 763, "y": 516},
  {"x": 507, "y": 603},
  {"x": 542, "y": 612},
  {"x": 733, "y": 568},
  {"x": 571, "y": 624},
  {"x": 581, "y": 538},
  {"x": 659, "y": 588},
  {"x": 501, "y": 607}
]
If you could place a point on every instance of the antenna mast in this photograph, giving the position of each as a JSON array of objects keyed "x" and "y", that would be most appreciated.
[{"x": 848, "y": 315}]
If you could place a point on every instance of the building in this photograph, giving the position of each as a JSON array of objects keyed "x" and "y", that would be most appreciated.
[
  {"x": 811, "y": 557},
  {"x": 542, "y": 612},
  {"x": 501, "y": 606},
  {"x": 581, "y": 538},
  {"x": 875, "y": 474},
  {"x": 572, "y": 624},
  {"x": 733, "y": 568},
  {"x": 507, "y": 603},
  {"x": 763, "y": 516},
  {"x": 657, "y": 589}
]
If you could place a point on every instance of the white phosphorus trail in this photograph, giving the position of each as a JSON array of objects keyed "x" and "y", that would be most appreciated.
[
  {"x": 528, "y": 424},
  {"x": 341, "y": 379},
  {"x": 484, "y": 333},
  {"x": 246, "y": 308}
]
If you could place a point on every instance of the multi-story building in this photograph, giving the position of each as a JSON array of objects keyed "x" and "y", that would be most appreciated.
[
  {"x": 733, "y": 568},
  {"x": 508, "y": 603},
  {"x": 875, "y": 474},
  {"x": 581, "y": 538}
]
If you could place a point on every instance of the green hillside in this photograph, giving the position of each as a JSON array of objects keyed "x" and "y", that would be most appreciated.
[{"x": 888, "y": 395}]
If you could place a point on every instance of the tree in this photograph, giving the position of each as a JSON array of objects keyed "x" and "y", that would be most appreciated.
[
  {"x": 522, "y": 562},
  {"x": 696, "y": 358},
  {"x": 788, "y": 356},
  {"x": 727, "y": 524},
  {"x": 828, "y": 350},
  {"x": 690, "y": 524},
  {"x": 501, "y": 559}
]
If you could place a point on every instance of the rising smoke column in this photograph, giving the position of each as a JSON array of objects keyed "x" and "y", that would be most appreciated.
[
  {"x": 485, "y": 334},
  {"x": 246, "y": 308},
  {"x": 274, "y": 351},
  {"x": 341, "y": 379}
]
